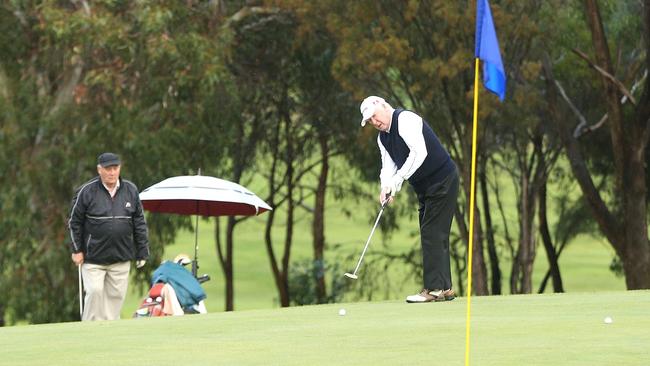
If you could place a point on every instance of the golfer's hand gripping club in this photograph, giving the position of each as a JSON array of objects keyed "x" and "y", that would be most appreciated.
[
  {"x": 354, "y": 275},
  {"x": 387, "y": 199}
]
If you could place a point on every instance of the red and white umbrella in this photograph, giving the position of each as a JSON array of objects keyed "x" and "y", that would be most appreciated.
[{"x": 201, "y": 195}]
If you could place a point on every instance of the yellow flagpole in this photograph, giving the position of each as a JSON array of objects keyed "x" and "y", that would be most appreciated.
[{"x": 471, "y": 214}]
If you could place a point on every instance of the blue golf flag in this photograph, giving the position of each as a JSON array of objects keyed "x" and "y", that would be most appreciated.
[{"x": 487, "y": 49}]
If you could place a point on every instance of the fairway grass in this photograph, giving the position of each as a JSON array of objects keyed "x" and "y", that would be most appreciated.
[{"x": 556, "y": 329}]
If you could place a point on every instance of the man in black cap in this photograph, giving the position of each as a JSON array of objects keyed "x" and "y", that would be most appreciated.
[{"x": 108, "y": 230}]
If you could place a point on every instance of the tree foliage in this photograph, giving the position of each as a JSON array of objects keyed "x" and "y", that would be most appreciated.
[
  {"x": 616, "y": 65},
  {"x": 86, "y": 78},
  {"x": 269, "y": 90}
]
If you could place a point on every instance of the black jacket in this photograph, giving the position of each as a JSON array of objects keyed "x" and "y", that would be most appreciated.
[{"x": 108, "y": 230}]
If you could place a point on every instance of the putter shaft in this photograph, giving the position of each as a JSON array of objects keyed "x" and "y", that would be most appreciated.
[
  {"x": 81, "y": 301},
  {"x": 354, "y": 274}
]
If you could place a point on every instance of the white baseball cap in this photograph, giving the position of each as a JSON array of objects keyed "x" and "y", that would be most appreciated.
[
  {"x": 182, "y": 259},
  {"x": 368, "y": 107}
]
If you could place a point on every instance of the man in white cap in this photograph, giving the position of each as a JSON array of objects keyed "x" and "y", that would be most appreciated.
[{"x": 410, "y": 150}]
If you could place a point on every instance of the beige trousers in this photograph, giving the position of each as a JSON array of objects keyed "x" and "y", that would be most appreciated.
[{"x": 105, "y": 287}]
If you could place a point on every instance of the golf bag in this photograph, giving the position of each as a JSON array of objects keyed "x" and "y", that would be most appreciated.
[{"x": 174, "y": 291}]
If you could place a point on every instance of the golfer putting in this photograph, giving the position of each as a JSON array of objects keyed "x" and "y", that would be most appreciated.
[{"x": 410, "y": 150}]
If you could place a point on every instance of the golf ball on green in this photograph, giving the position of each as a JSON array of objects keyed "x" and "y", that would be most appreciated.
[
  {"x": 608, "y": 320},
  {"x": 341, "y": 312}
]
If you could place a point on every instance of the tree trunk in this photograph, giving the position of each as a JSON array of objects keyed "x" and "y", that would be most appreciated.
[
  {"x": 268, "y": 239},
  {"x": 636, "y": 248},
  {"x": 529, "y": 239},
  {"x": 604, "y": 218},
  {"x": 288, "y": 238},
  {"x": 521, "y": 276},
  {"x": 277, "y": 274},
  {"x": 227, "y": 262},
  {"x": 228, "y": 272},
  {"x": 479, "y": 270},
  {"x": 495, "y": 271},
  {"x": 289, "y": 178},
  {"x": 612, "y": 94},
  {"x": 629, "y": 143},
  {"x": 318, "y": 226},
  {"x": 554, "y": 268}
]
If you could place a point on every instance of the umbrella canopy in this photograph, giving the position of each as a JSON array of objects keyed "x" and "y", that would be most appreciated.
[{"x": 202, "y": 195}]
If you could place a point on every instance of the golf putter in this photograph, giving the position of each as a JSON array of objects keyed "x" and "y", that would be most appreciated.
[
  {"x": 354, "y": 275},
  {"x": 81, "y": 301}
]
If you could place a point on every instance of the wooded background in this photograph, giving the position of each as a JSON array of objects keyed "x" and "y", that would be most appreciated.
[{"x": 268, "y": 91}]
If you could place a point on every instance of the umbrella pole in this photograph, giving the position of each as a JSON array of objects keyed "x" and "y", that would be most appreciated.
[{"x": 195, "y": 262}]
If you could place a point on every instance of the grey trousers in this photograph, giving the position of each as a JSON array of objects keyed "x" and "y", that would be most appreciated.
[
  {"x": 437, "y": 207},
  {"x": 105, "y": 287}
]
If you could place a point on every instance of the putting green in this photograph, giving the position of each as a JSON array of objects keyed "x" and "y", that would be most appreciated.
[{"x": 560, "y": 329}]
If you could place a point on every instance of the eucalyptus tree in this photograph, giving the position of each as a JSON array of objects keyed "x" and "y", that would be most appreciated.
[
  {"x": 262, "y": 64},
  {"x": 598, "y": 78},
  {"x": 281, "y": 59},
  {"x": 330, "y": 112}
]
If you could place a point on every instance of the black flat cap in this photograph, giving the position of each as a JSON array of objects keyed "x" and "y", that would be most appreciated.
[{"x": 108, "y": 159}]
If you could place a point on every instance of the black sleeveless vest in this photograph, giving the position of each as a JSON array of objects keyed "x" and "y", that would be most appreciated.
[{"x": 436, "y": 166}]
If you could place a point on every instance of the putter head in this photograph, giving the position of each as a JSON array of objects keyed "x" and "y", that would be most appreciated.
[{"x": 352, "y": 276}]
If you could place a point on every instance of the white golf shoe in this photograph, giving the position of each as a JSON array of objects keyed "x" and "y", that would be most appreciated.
[{"x": 427, "y": 295}]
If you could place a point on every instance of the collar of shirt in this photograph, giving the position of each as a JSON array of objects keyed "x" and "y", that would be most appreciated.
[
  {"x": 112, "y": 192},
  {"x": 390, "y": 123}
]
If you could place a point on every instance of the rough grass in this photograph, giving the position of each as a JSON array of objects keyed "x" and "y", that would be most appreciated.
[{"x": 564, "y": 329}]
